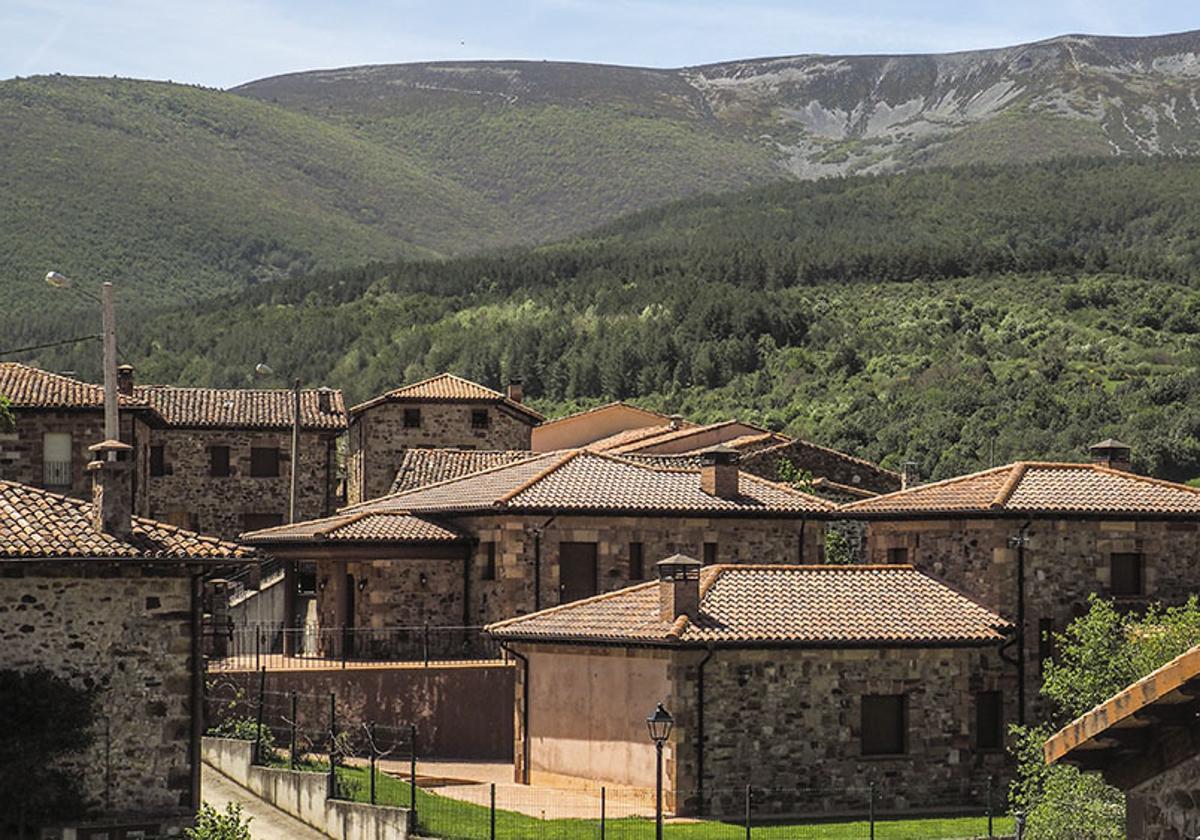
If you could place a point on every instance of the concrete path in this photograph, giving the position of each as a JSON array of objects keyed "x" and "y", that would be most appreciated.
[{"x": 269, "y": 822}]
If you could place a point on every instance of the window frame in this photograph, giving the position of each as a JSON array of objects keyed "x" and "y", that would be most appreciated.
[
  {"x": 710, "y": 552},
  {"x": 48, "y": 472},
  {"x": 996, "y": 742},
  {"x": 412, "y": 418},
  {"x": 870, "y": 751},
  {"x": 898, "y": 555},
  {"x": 212, "y": 462},
  {"x": 278, "y": 459},
  {"x": 637, "y": 560},
  {"x": 158, "y": 460},
  {"x": 1140, "y": 565},
  {"x": 481, "y": 419},
  {"x": 270, "y": 518},
  {"x": 489, "y": 561}
]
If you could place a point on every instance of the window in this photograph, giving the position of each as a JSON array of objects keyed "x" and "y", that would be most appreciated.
[
  {"x": 258, "y": 521},
  {"x": 180, "y": 519},
  {"x": 883, "y": 724},
  {"x": 264, "y": 462},
  {"x": 479, "y": 418},
  {"x": 218, "y": 461},
  {"x": 412, "y": 418},
  {"x": 57, "y": 467},
  {"x": 158, "y": 460},
  {"x": 637, "y": 562},
  {"x": 989, "y": 720},
  {"x": 710, "y": 554},
  {"x": 1126, "y": 575},
  {"x": 1045, "y": 643},
  {"x": 897, "y": 555},
  {"x": 489, "y": 560}
]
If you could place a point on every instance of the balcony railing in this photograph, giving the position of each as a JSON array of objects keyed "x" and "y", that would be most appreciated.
[{"x": 57, "y": 473}]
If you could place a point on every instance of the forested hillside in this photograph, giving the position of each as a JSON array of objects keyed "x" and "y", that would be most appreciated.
[{"x": 940, "y": 317}]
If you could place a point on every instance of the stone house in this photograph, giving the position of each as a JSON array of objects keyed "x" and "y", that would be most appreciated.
[
  {"x": 1145, "y": 740},
  {"x": 549, "y": 529},
  {"x": 808, "y": 683},
  {"x": 105, "y": 599},
  {"x": 57, "y": 418},
  {"x": 218, "y": 459},
  {"x": 1035, "y": 539},
  {"x": 444, "y": 411}
]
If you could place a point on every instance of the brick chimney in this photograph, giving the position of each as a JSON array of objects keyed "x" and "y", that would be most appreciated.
[
  {"x": 112, "y": 488},
  {"x": 719, "y": 472},
  {"x": 125, "y": 380},
  {"x": 1113, "y": 454},
  {"x": 678, "y": 587},
  {"x": 516, "y": 392},
  {"x": 910, "y": 474}
]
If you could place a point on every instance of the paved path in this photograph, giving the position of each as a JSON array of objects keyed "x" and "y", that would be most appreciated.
[{"x": 269, "y": 822}]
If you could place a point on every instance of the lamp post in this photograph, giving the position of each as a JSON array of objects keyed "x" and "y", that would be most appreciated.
[
  {"x": 660, "y": 724},
  {"x": 112, "y": 430}
]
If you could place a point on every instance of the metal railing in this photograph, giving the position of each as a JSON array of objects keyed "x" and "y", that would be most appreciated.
[
  {"x": 57, "y": 473},
  {"x": 255, "y": 647}
]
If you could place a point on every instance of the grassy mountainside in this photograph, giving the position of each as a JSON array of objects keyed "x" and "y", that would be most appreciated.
[{"x": 939, "y": 316}]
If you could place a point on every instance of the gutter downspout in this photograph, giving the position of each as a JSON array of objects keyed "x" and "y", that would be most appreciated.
[
  {"x": 700, "y": 724},
  {"x": 525, "y": 740},
  {"x": 197, "y": 730},
  {"x": 1019, "y": 542},
  {"x": 803, "y": 522},
  {"x": 537, "y": 562}
]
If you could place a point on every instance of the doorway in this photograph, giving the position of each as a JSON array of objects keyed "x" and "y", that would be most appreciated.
[{"x": 576, "y": 571}]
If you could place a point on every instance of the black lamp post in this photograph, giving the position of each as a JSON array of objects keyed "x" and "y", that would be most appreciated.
[{"x": 660, "y": 724}]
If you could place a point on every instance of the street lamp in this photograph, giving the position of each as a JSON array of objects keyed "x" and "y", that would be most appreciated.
[
  {"x": 660, "y": 724},
  {"x": 112, "y": 430}
]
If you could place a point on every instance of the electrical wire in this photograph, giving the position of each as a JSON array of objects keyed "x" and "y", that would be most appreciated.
[{"x": 15, "y": 350}]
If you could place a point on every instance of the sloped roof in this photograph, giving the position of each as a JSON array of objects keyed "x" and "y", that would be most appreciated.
[
  {"x": 1034, "y": 487},
  {"x": 776, "y": 605},
  {"x": 30, "y": 387},
  {"x": 446, "y": 387},
  {"x": 422, "y": 467},
  {"x": 618, "y": 405},
  {"x": 37, "y": 524},
  {"x": 359, "y": 527},
  {"x": 670, "y": 435},
  {"x": 242, "y": 408}
]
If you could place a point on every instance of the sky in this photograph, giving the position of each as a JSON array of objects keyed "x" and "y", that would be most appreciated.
[{"x": 221, "y": 43}]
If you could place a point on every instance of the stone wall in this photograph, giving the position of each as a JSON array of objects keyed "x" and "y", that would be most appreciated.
[
  {"x": 378, "y": 438},
  {"x": 1065, "y": 561},
  {"x": 190, "y": 497},
  {"x": 127, "y": 631},
  {"x": 406, "y": 592},
  {"x": 1168, "y": 806},
  {"x": 21, "y": 450},
  {"x": 822, "y": 463}
]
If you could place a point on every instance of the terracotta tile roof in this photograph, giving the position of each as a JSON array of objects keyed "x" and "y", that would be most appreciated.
[
  {"x": 241, "y": 408},
  {"x": 1092, "y": 734},
  {"x": 1033, "y": 487},
  {"x": 358, "y": 527},
  {"x": 447, "y": 387},
  {"x": 628, "y": 436},
  {"x": 422, "y": 467},
  {"x": 30, "y": 387},
  {"x": 37, "y": 524},
  {"x": 776, "y": 604},
  {"x": 670, "y": 435},
  {"x": 619, "y": 404}
]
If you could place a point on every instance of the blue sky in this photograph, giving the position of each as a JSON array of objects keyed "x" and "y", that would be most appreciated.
[{"x": 223, "y": 42}]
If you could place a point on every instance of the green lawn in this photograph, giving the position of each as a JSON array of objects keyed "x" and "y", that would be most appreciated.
[{"x": 443, "y": 817}]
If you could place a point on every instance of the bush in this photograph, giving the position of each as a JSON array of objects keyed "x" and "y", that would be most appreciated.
[{"x": 212, "y": 824}]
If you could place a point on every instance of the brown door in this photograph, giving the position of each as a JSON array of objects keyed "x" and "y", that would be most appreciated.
[{"x": 576, "y": 571}]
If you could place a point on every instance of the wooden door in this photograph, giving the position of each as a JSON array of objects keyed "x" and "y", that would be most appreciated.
[{"x": 576, "y": 571}]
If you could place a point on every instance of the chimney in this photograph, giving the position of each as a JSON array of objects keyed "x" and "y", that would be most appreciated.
[
  {"x": 719, "y": 472},
  {"x": 678, "y": 587},
  {"x": 125, "y": 380},
  {"x": 112, "y": 487},
  {"x": 676, "y": 421},
  {"x": 1113, "y": 454},
  {"x": 910, "y": 474},
  {"x": 516, "y": 393},
  {"x": 325, "y": 400}
]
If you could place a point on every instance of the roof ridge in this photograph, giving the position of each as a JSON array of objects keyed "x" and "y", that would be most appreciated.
[
  {"x": 943, "y": 483},
  {"x": 1147, "y": 479},
  {"x": 508, "y": 496},
  {"x": 681, "y": 432},
  {"x": 613, "y": 404},
  {"x": 377, "y": 501},
  {"x": 1009, "y": 486}
]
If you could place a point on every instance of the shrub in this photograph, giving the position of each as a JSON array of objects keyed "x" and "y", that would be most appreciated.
[{"x": 212, "y": 824}]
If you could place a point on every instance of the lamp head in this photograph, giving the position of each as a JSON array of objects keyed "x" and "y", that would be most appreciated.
[
  {"x": 263, "y": 369},
  {"x": 58, "y": 281},
  {"x": 660, "y": 724}
]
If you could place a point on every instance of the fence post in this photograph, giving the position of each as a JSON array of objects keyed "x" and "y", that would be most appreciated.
[
  {"x": 1020, "y": 825},
  {"x": 603, "y": 808},
  {"x": 333, "y": 785},
  {"x": 257, "y": 645},
  {"x": 989, "y": 805},
  {"x": 492, "y": 833},
  {"x": 425, "y": 643},
  {"x": 262, "y": 699},
  {"x": 295, "y": 714},
  {"x": 871, "y": 809},
  {"x": 748, "y": 795},
  {"x": 412, "y": 771}
]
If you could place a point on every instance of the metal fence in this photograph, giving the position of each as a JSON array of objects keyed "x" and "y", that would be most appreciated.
[{"x": 255, "y": 647}]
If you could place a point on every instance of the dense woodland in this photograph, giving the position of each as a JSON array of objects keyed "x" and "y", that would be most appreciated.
[{"x": 951, "y": 317}]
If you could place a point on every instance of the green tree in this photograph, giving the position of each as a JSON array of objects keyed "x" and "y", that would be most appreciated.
[
  {"x": 212, "y": 824},
  {"x": 6, "y": 418}
]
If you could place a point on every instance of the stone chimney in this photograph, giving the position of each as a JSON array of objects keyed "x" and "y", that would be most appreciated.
[
  {"x": 112, "y": 488},
  {"x": 719, "y": 472},
  {"x": 1113, "y": 454},
  {"x": 125, "y": 380},
  {"x": 910, "y": 474},
  {"x": 516, "y": 392},
  {"x": 676, "y": 421},
  {"x": 678, "y": 587},
  {"x": 325, "y": 400}
]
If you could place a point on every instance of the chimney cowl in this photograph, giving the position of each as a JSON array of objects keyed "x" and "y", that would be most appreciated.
[
  {"x": 676, "y": 421},
  {"x": 125, "y": 380},
  {"x": 516, "y": 390},
  {"x": 325, "y": 400},
  {"x": 719, "y": 472},
  {"x": 1113, "y": 454},
  {"x": 678, "y": 587},
  {"x": 112, "y": 488}
]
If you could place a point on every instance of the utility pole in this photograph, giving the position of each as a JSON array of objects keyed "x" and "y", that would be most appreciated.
[{"x": 112, "y": 428}]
